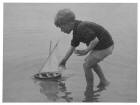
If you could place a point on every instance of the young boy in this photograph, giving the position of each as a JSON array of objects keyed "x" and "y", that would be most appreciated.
[{"x": 98, "y": 40}]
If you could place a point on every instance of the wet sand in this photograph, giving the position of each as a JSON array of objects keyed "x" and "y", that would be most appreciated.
[{"x": 28, "y": 29}]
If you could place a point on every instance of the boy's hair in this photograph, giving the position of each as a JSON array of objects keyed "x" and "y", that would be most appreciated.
[{"x": 64, "y": 16}]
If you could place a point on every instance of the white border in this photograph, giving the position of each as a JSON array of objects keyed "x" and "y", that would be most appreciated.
[
  {"x": 67, "y": 1},
  {"x": 73, "y": 1},
  {"x": 1, "y": 50}
]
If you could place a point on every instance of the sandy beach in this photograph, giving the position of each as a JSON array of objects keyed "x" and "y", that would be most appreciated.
[{"x": 28, "y": 29}]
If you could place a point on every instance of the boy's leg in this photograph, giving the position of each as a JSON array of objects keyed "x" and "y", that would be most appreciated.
[
  {"x": 103, "y": 81},
  {"x": 88, "y": 74},
  {"x": 92, "y": 60},
  {"x": 99, "y": 72},
  {"x": 89, "y": 63}
]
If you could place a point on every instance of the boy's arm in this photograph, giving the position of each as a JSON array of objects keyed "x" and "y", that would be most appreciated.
[
  {"x": 66, "y": 57},
  {"x": 92, "y": 44}
]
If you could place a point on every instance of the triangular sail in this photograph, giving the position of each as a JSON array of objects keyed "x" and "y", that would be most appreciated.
[{"x": 51, "y": 64}]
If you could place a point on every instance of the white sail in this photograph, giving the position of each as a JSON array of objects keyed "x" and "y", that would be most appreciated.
[{"x": 51, "y": 64}]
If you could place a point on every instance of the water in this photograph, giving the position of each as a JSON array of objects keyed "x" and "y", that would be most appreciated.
[{"x": 28, "y": 29}]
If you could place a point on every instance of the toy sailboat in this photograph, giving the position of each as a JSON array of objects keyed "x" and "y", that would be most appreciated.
[
  {"x": 50, "y": 69},
  {"x": 51, "y": 64}
]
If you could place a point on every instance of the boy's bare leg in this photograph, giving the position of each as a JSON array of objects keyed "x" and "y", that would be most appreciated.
[
  {"x": 92, "y": 62},
  {"x": 88, "y": 65},
  {"x": 88, "y": 74},
  {"x": 103, "y": 81}
]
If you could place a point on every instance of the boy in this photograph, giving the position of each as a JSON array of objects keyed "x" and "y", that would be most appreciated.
[{"x": 98, "y": 40}]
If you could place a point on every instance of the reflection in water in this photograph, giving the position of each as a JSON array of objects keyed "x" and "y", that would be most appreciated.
[
  {"x": 90, "y": 96},
  {"x": 54, "y": 90}
]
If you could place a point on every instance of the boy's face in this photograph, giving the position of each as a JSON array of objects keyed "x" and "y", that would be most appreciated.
[{"x": 66, "y": 28}]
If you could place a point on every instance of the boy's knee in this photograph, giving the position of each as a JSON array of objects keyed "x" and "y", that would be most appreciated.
[{"x": 86, "y": 65}]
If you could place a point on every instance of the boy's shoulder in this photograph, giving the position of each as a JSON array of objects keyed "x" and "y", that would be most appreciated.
[
  {"x": 89, "y": 25},
  {"x": 84, "y": 24}
]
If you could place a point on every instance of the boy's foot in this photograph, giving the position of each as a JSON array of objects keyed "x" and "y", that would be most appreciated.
[
  {"x": 102, "y": 86},
  {"x": 62, "y": 67}
]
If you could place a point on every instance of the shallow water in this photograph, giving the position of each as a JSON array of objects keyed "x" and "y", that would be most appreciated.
[{"x": 27, "y": 33}]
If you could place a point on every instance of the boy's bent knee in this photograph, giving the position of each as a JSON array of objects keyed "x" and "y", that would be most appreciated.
[{"x": 86, "y": 65}]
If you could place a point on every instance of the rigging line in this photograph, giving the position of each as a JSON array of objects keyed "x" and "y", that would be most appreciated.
[{"x": 50, "y": 47}]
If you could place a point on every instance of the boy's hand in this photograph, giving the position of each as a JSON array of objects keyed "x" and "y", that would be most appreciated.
[
  {"x": 62, "y": 67},
  {"x": 81, "y": 52}
]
